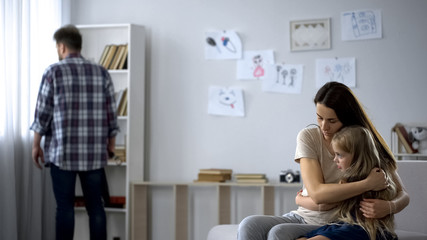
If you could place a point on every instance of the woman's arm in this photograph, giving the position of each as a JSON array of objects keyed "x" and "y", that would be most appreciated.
[
  {"x": 308, "y": 203},
  {"x": 377, "y": 208},
  {"x": 321, "y": 192}
]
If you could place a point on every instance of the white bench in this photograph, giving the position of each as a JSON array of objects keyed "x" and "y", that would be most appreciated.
[
  {"x": 410, "y": 223},
  {"x": 229, "y": 232}
]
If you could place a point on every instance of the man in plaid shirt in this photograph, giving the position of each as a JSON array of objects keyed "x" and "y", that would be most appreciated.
[{"x": 75, "y": 112}]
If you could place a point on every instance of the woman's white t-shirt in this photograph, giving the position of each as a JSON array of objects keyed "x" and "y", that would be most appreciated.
[{"x": 311, "y": 144}]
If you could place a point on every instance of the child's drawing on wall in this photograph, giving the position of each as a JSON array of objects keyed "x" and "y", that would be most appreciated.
[
  {"x": 341, "y": 70},
  {"x": 254, "y": 63},
  {"x": 226, "y": 101},
  {"x": 359, "y": 25},
  {"x": 259, "y": 70},
  {"x": 222, "y": 45},
  {"x": 283, "y": 78}
]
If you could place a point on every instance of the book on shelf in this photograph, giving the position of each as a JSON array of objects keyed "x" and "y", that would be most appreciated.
[
  {"x": 112, "y": 49},
  {"x": 121, "y": 102},
  {"x": 117, "y": 202},
  {"x": 214, "y": 175},
  {"x": 206, "y": 177},
  {"x": 123, "y": 107},
  {"x": 216, "y": 171},
  {"x": 249, "y": 175},
  {"x": 116, "y": 59},
  {"x": 104, "y": 55},
  {"x": 114, "y": 202},
  {"x": 120, "y": 150},
  {"x": 114, "y": 56},
  {"x": 252, "y": 180},
  {"x": 123, "y": 60},
  {"x": 403, "y": 138},
  {"x": 118, "y": 97},
  {"x": 79, "y": 201},
  {"x": 119, "y": 155},
  {"x": 125, "y": 112}
]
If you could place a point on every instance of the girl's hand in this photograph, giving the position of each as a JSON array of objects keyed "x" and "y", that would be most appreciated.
[
  {"x": 375, "y": 208},
  {"x": 376, "y": 180}
]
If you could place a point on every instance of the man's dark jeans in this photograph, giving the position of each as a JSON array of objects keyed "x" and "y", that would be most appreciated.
[{"x": 93, "y": 185}]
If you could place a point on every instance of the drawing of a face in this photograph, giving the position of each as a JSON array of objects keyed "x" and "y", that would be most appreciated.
[
  {"x": 257, "y": 60},
  {"x": 227, "y": 98}
]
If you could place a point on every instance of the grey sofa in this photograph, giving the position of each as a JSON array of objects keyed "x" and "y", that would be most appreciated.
[{"x": 411, "y": 223}]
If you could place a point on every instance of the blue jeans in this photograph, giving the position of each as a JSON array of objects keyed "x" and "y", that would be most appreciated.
[{"x": 93, "y": 185}]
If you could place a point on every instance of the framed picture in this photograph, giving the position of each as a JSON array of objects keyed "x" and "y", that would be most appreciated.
[{"x": 310, "y": 34}]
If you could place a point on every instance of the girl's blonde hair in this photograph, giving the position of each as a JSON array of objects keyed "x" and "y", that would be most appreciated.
[{"x": 359, "y": 142}]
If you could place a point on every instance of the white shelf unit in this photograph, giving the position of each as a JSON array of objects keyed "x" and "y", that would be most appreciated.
[
  {"x": 95, "y": 38},
  {"x": 141, "y": 198},
  {"x": 397, "y": 146}
]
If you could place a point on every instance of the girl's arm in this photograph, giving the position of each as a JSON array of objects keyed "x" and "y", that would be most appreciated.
[
  {"x": 308, "y": 203},
  {"x": 377, "y": 208},
  {"x": 321, "y": 192}
]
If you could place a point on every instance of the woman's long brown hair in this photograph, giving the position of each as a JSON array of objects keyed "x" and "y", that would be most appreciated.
[{"x": 349, "y": 111}]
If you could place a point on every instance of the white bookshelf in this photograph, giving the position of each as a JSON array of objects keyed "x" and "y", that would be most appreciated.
[{"x": 95, "y": 38}]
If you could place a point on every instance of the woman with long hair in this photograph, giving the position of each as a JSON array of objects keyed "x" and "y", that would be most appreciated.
[
  {"x": 356, "y": 155},
  {"x": 336, "y": 107}
]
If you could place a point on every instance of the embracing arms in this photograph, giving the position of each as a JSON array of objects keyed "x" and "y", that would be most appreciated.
[
  {"x": 377, "y": 208},
  {"x": 308, "y": 203},
  {"x": 322, "y": 193}
]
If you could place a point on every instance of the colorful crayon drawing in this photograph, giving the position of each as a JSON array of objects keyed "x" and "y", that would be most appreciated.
[
  {"x": 341, "y": 70},
  {"x": 222, "y": 45},
  {"x": 253, "y": 65}
]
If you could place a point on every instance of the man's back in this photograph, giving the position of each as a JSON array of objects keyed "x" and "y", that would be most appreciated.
[{"x": 77, "y": 110}]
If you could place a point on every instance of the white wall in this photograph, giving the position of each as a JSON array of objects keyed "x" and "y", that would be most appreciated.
[{"x": 182, "y": 137}]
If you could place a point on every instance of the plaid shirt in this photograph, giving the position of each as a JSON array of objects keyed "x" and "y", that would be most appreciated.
[{"x": 75, "y": 112}]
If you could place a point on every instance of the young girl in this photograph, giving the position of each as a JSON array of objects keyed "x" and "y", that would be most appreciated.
[{"x": 355, "y": 155}]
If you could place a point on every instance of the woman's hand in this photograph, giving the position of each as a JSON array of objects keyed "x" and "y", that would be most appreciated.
[
  {"x": 377, "y": 181},
  {"x": 375, "y": 208}
]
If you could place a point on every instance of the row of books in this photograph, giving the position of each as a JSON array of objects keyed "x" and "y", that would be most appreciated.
[
  {"x": 114, "y": 57},
  {"x": 121, "y": 102},
  {"x": 223, "y": 175}
]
